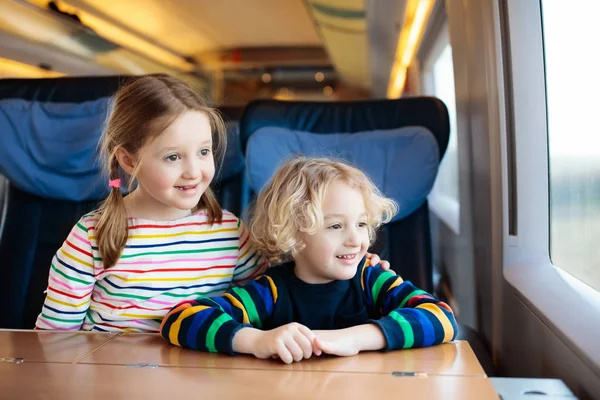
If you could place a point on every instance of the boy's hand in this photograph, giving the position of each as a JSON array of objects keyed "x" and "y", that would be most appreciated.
[
  {"x": 374, "y": 260},
  {"x": 336, "y": 342},
  {"x": 291, "y": 342},
  {"x": 349, "y": 341}
]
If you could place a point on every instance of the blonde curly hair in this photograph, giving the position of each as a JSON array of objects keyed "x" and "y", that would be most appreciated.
[{"x": 291, "y": 204}]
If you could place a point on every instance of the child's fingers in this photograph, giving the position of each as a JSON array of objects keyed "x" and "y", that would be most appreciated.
[
  {"x": 283, "y": 353},
  {"x": 324, "y": 347},
  {"x": 294, "y": 349},
  {"x": 317, "y": 350},
  {"x": 373, "y": 258},
  {"x": 310, "y": 335},
  {"x": 305, "y": 344}
]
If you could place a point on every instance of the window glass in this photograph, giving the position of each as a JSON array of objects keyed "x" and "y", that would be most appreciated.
[{"x": 570, "y": 36}]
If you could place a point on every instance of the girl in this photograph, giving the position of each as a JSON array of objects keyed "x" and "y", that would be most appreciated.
[
  {"x": 126, "y": 264},
  {"x": 320, "y": 216}
]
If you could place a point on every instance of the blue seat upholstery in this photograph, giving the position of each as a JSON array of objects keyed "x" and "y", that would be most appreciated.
[
  {"x": 48, "y": 154},
  {"x": 50, "y": 130},
  {"x": 398, "y": 143}
]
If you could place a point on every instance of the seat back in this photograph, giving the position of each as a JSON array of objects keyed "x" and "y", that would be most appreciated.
[
  {"x": 48, "y": 154},
  {"x": 229, "y": 179},
  {"x": 397, "y": 143}
]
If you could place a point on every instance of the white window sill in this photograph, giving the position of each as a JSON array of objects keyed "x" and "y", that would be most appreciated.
[{"x": 445, "y": 208}]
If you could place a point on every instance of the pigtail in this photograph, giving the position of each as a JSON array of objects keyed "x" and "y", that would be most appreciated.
[
  {"x": 209, "y": 202},
  {"x": 111, "y": 229}
]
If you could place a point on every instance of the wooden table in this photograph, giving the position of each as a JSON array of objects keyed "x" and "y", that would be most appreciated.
[
  {"x": 76, "y": 381},
  {"x": 47, "y": 346},
  {"x": 454, "y": 358},
  {"x": 64, "y": 365}
]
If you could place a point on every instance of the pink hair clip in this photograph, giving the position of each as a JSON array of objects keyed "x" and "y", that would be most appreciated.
[{"x": 115, "y": 183}]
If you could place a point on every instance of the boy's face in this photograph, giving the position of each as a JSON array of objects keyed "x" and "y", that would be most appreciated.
[
  {"x": 333, "y": 253},
  {"x": 176, "y": 168}
]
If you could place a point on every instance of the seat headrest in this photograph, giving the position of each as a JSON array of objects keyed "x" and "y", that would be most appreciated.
[
  {"x": 348, "y": 116},
  {"x": 61, "y": 90},
  {"x": 402, "y": 162},
  {"x": 50, "y": 130},
  {"x": 397, "y": 143}
]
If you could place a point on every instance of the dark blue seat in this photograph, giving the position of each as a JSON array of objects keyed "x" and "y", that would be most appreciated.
[
  {"x": 404, "y": 141},
  {"x": 50, "y": 130},
  {"x": 48, "y": 154},
  {"x": 398, "y": 143},
  {"x": 230, "y": 178}
]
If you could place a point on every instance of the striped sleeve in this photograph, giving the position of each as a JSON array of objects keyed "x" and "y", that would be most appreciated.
[
  {"x": 409, "y": 317},
  {"x": 250, "y": 262},
  {"x": 70, "y": 283},
  {"x": 210, "y": 323}
]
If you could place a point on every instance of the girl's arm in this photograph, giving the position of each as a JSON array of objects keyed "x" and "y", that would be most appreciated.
[
  {"x": 70, "y": 283},
  {"x": 250, "y": 263}
]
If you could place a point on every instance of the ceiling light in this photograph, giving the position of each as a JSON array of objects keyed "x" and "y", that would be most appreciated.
[{"x": 417, "y": 14}]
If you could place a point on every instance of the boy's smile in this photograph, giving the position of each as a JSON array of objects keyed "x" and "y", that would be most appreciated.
[{"x": 333, "y": 253}]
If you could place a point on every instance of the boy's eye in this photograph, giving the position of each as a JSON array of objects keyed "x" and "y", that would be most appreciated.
[
  {"x": 172, "y": 157},
  {"x": 204, "y": 152}
]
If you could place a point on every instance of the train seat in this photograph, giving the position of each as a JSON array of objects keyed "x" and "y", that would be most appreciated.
[{"x": 398, "y": 143}]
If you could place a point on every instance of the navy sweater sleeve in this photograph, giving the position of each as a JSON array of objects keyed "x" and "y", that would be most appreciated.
[{"x": 408, "y": 316}]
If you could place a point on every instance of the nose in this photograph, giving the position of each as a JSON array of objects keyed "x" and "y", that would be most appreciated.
[
  {"x": 192, "y": 169},
  {"x": 353, "y": 237}
]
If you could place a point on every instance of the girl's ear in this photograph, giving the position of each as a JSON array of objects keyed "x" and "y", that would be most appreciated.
[{"x": 126, "y": 160}]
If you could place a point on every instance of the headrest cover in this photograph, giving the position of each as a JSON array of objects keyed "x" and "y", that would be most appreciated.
[
  {"x": 348, "y": 116},
  {"x": 50, "y": 130},
  {"x": 402, "y": 162},
  {"x": 50, "y": 149}
]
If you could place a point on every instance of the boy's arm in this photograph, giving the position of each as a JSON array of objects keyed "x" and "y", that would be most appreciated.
[
  {"x": 70, "y": 283},
  {"x": 409, "y": 317},
  {"x": 210, "y": 323},
  {"x": 250, "y": 262}
]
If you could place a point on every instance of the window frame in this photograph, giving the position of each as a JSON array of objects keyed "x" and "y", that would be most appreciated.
[
  {"x": 446, "y": 208},
  {"x": 549, "y": 292}
]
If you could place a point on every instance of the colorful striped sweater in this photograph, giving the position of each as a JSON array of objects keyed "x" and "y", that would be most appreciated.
[
  {"x": 163, "y": 263},
  {"x": 408, "y": 316}
]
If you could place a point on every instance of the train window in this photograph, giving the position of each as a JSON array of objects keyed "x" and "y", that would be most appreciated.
[
  {"x": 574, "y": 144},
  {"x": 438, "y": 81}
]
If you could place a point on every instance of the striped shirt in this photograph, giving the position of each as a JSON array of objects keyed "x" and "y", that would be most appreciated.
[
  {"x": 163, "y": 263},
  {"x": 408, "y": 316}
]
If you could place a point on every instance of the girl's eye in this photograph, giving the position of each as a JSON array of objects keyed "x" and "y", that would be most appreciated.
[
  {"x": 362, "y": 224},
  {"x": 204, "y": 152},
  {"x": 172, "y": 158},
  {"x": 335, "y": 226}
]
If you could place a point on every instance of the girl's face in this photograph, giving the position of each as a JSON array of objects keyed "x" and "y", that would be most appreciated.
[
  {"x": 333, "y": 253},
  {"x": 175, "y": 169}
]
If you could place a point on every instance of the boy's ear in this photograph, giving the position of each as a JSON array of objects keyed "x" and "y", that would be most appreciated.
[{"x": 126, "y": 160}]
